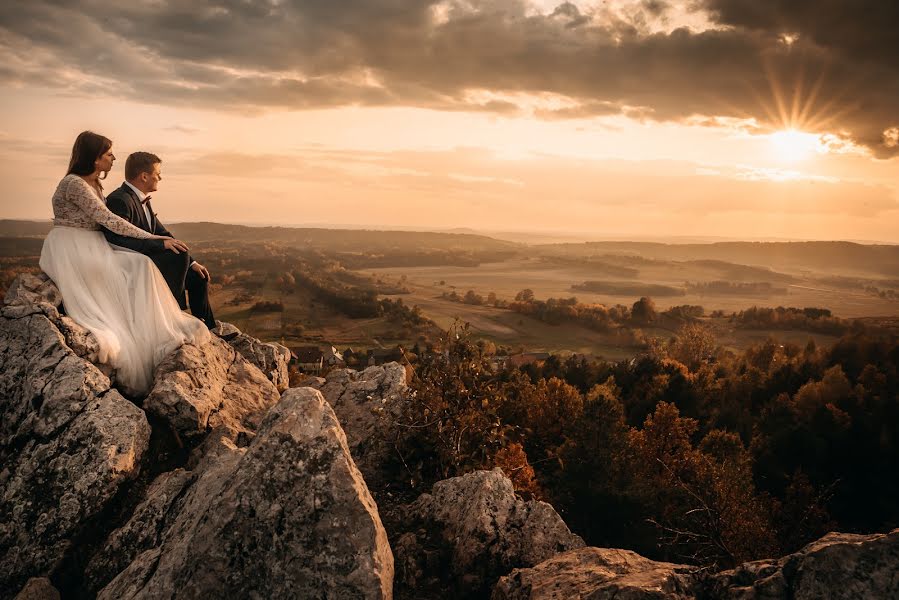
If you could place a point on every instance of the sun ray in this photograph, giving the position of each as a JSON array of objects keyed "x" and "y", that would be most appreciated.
[
  {"x": 813, "y": 96},
  {"x": 776, "y": 92},
  {"x": 797, "y": 98}
]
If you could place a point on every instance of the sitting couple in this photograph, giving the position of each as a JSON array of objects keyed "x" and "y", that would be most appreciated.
[{"x": 121, "y": 273}]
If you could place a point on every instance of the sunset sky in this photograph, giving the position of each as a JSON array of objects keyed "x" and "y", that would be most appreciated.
[{"x": 749, "y": 119}]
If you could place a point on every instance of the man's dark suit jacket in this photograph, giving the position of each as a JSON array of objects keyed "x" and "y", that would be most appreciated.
[
  {"x": 124, "y": 202},
  {"x": 174, "y": 267}
]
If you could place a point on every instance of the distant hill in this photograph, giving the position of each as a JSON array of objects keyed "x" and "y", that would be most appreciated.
[
  {"x": 17, "y": 228},
  {"x": 20, "y": 246},
  {"x": 337, "y": 240},
  {"x": 825, "y": 256},
  {"x": 342, "y": 240}
]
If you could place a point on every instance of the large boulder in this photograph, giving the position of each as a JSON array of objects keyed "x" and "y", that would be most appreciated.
[
  {"x": 837, "y": 566},
  {"x": 476, "y": 529},
  {"x": 367, "y": 403},
  {"x": 287, "y": 516},
  {"x": 200, "y": 388},
  {"x": 598, "y": 574},
  {"x": 68, "y": 445},
  {"x": 269, "y": 357}
]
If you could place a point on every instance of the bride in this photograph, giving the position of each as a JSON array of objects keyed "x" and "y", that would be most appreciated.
[{"x": 118, "y": 295}]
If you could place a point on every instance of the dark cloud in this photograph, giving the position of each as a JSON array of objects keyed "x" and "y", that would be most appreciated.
[
  {"x": 836, "y": 72},
  {"x": 859, "y": 29}
]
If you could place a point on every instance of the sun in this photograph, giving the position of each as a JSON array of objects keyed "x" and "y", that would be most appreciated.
[{"x": 792, "y": 145}]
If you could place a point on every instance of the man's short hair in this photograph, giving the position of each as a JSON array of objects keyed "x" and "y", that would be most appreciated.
[{"x": 140, "y": 162}]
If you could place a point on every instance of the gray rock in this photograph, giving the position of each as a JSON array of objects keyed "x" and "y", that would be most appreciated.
[
  {"x": 287, "y": 516},
  {"x": 68, "y": 443},
  {"x": 37, "y": 294},
  {"x": 269, "y": 357},
  {"x": 143, "y": 530},
  {"x": 200, "y": 388},
  {"x": 598, "y": 574},
  {"x": 38, "y": 588},
  {"x": 367, "y": 403},
  {"x": 839, "y": 565},
  {"x": 486, "y": 529},
  {"x": 28, "y": 289}
]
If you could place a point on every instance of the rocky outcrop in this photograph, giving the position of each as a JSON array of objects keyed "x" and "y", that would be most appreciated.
[
  {"x": 288, "y": 516},
  {"x": 268, "y": 357},
  {"x": 367, "y": 403},
  {"x": 36, "y": 294},
  {"x": 28, "y": 290},
  {"x": 474, "y": 529},
  {"x": 839, "y": 565},
  {"x": 200, "y": 388},
  {"x": 69, "y": 443},
  {"x": 598, "y": 574},
  {"x": 262, "y": 500}
]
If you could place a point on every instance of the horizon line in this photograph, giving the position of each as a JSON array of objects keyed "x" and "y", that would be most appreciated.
[{"x": 580, "y": 236}]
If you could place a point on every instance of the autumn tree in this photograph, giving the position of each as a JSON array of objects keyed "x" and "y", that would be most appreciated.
[
  {"x": 525, "y": 295},
  {"x": 644, "y": 311},
  {"x": 694, "y": 345}
]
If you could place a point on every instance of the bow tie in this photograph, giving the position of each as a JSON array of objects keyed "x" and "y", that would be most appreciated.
[{"x": 147, "y": 199}]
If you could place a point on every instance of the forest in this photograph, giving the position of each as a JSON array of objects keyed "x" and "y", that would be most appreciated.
[{"x": 683, "y": 453}]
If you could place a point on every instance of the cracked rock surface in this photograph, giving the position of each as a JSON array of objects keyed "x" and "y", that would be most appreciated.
[
  {"x": 600, "y": 574},
  {"x": 200, "y": 388},
  {"x": 68, "y": 445},
  {"x": 293, "y": 493},
  {"x": 269, "y": 357},
  {"x": 367, "y": 404},
  {"x": 477, "y": 527},
  {"x": 213, "y": 484}
]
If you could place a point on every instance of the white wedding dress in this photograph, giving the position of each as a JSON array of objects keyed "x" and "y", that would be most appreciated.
[{"x": 117, "y": 294}]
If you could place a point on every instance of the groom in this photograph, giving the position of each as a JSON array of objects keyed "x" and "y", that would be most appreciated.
[{"x": 132, "y": 203}]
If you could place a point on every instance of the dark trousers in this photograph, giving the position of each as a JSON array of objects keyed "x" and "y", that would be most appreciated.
[{"x": 176, "y": 271}]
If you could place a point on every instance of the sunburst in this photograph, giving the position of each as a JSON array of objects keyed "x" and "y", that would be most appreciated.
[
  {"x": 793, "y": 145},
  {"x": 798, "y": 112}
]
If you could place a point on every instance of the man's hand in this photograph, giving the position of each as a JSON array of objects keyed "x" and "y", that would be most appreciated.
[
  {"x": 176, "y": 246},
  {"x": 201, "y": 270}
]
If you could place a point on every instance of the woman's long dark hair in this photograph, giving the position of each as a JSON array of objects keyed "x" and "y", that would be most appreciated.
[{"x": 89, "y": 146}]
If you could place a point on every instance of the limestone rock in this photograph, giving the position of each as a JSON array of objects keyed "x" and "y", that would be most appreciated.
[
  {"x": 199, "y": 388},
  {"x": 268, "y": 357},
  {"x": 366, "y": 403},
  {"x": 30, "y": 290},
  {"x": 287, "y": 516},
  {"x": 38, "y": 588},
  {"x": 839, "y": 565},
  {"x": 68, "y": 443},
  {"x": 598, "y": 574},
  {"x": 37, "y": 294},
  {"x": 486, "y": 529}
]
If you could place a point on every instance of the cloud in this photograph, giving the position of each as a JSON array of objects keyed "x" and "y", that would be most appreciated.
[
  {"x": 839, "y": 75},
  {"x": 583, "y": 187},
  {"x": 186, "y": 129}
]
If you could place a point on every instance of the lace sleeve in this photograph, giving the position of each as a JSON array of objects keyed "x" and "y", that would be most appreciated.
[{"x": 80, "y": 193}]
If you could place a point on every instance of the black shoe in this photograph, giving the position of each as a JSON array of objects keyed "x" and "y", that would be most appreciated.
[{"x": 228, "y": 336}]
